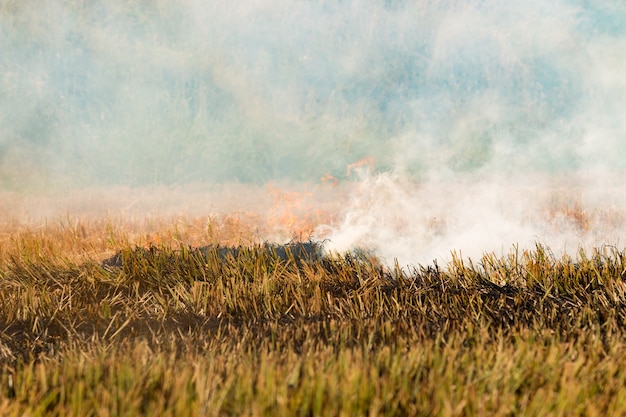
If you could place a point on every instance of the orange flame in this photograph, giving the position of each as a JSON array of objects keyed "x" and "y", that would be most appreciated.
[
  {"x": 329, "y": 179},
  {"x": 367, "y": 161},
  {"x": 291, "y": 212}
]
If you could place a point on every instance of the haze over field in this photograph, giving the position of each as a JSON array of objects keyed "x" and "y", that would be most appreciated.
[{"x": 453, "y": 125}]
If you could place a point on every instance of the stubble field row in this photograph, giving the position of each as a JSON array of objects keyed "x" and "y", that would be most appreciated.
[{"x": 170, "y": 330}]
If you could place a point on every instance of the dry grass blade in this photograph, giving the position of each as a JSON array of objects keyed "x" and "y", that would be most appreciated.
[{"x": 261, "y": 331}]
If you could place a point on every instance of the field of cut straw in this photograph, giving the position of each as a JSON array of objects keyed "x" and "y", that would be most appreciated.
[{"x": 173, "y": 331}]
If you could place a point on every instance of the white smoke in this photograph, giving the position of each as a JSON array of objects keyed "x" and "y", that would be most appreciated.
[
  {"x": 490, "y": 123},
  {"x": 415, "y": 223}
]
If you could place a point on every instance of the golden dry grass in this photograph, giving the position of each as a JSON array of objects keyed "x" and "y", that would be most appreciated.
[{"x": 173, "y": 332}]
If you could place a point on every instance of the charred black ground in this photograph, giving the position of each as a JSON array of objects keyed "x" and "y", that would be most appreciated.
[{"x": 298, "y": 252}]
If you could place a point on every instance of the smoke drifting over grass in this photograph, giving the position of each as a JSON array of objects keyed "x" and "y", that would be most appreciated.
[
  {"x": 419, "y": 222},
  {"x": 488, "y": 123}
]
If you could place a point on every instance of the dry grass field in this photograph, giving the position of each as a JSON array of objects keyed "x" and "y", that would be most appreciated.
[
  {"x": 455, "y": 171},
  {"x": 172, "y": 331}
]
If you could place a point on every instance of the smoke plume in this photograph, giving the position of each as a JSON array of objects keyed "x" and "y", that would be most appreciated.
[{"x": 484, "y": 124}]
